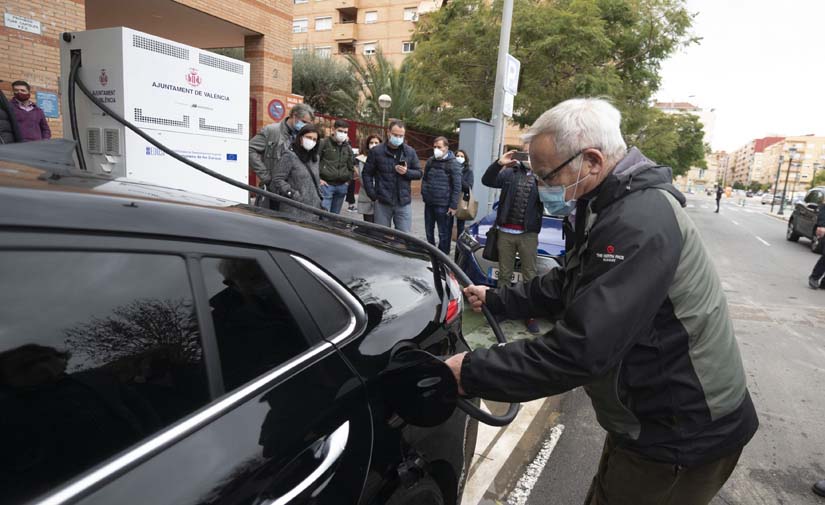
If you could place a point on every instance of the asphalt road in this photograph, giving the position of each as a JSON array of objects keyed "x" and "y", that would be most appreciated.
[{"x": 780, "y": 325}]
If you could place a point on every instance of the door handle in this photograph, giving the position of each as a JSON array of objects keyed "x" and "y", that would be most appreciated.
[{"x": 334, "y": 447}]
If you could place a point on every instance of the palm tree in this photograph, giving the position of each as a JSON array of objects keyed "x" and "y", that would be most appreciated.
[{"x": 376, "y": 76}]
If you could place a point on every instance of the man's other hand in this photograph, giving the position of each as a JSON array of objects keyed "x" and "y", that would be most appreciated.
[{"x": 454, "y": 362}]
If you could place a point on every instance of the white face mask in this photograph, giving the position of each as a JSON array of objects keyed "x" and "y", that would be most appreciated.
[
  {"x": 341, "y": 137},
  {"x": 438, "y": 153},
  {"x": 460, "y": 159},
  {"x": 307, "y": 143}
]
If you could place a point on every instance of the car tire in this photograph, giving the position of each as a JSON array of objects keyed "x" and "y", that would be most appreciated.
[
  {"x": 791, "y": 234},
  {"x": 816, "y": 245},
  {"x": 423, "y": 492}
]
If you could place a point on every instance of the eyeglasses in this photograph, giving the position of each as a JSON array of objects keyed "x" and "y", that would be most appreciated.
[{"x": 558, "y": 168}]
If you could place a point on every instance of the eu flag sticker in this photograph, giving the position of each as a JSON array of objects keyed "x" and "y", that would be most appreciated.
[{"x": 231, "y": 157}]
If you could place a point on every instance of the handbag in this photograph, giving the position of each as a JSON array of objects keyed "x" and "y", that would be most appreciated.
[
  {"x": 490, "y": 252},
  {"x": 467, "y": 208}
]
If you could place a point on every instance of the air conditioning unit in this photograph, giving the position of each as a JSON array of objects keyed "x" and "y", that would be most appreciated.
[{"x": 191, "y": 100}]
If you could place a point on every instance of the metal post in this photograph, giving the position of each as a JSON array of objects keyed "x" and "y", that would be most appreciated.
[
  {"x": 785, "y": 189},
  {"x": 776, "y": 183},
  {"x": 497, "y": 117}
]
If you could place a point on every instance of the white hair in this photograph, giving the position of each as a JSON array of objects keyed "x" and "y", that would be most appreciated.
[{"x": 581, "y": 123}]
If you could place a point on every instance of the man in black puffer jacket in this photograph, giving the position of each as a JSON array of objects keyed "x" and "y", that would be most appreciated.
[
  {"x": 387, "y": 174},
  {"x": 518, "y": 220},
  {"x": 8, "y": 124},
  {"x": 440, "y": 189}
]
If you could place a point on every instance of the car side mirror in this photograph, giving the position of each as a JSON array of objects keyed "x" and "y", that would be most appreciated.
[{"x": 419, "y": 387}]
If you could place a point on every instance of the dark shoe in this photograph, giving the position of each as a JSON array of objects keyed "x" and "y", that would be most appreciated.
[
  {"x": 819, "y": 488},
  {"x": 532, "y": 326},
  {"x": 813, "y": 282}
]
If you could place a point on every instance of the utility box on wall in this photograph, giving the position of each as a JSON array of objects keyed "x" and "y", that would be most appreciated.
[{"x": 191, "y": 100}]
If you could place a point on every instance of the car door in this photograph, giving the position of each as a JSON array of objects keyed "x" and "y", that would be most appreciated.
[
  {"x": 216, "y": 384},
  {"x": 808, "y": 212}
]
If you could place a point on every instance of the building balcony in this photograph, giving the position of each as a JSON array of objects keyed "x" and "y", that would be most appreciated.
[
  {"x": 345, "y": 4},
  {"x": 345, "y": 32}
]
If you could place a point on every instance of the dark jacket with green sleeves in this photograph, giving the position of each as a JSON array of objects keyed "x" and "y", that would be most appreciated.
[
  {"x": 644, "y": 326},
  {"x": 337, "y": 161}
]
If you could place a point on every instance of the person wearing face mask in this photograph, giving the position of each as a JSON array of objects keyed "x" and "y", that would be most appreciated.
[
  {"x": 268, "y": 146},
  {"x": 518, "y": 220},
  {"x": 337, "y": 167},
  {"x": 31, "y": 120},
  {"x": 440, "y": 190},
  {"x": 387, "y": 174},
  {"x": 641, "y": 319},
  {"x": 466, "y": 185},
  {"x": 365, "y": 205},
  {"x": 296, "y": 176}
]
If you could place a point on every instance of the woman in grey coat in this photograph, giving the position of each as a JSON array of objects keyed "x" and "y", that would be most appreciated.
[{"x": 296, "y": 175}]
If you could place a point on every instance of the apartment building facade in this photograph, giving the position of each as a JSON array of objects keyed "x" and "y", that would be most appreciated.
[
  {"x": 809, "y": 158},
  {"x": 336, "y": 28}
]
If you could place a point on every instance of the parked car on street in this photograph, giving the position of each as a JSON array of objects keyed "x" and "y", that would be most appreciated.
[
  {"x": 161, "y": 347},
  {"x": 470, "y": 247},
  {"x": 768, "y": 197},
  {"x": 802, "y": 222}
]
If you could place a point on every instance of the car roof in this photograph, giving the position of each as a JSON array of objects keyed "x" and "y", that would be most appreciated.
[{"x": 32, "y": 198}]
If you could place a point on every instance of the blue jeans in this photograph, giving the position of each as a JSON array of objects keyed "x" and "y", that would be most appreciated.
[
  {"x": 333, "y": 197},
  {"x": 400, "y": 215},
  {"x": 437, "y": 215}
]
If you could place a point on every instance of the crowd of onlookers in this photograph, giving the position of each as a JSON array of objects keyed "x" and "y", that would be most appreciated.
[{"x": 293, "y": 159}]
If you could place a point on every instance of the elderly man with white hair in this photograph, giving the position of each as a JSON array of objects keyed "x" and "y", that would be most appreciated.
[{"x": 642, "y": 320}]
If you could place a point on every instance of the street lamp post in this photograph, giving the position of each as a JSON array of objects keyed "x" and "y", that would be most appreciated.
[
  {"x": 384, "y": 101},
  {"x": 776, "y": 183},
  {"x": 791, "y": 153}
]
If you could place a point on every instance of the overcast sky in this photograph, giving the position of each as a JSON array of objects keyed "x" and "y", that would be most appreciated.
[{"x": 761, "y": 65}]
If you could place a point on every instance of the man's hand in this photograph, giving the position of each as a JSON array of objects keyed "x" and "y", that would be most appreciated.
[
  {"x": 454, "y": 362},
  {"x": 820, "y": 231},
  {"x": 323, "y": 183},
  {"x": 451, "y": 212},
  {"x": 476, "y": 296},
  {"x": 507, "y": 160},
  {"x": 401, "y": 169}
]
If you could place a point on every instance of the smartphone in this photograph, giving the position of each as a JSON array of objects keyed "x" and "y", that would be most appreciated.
[
  {"x": 402, "y": 163},
  {"x": 521, "y": 156}
]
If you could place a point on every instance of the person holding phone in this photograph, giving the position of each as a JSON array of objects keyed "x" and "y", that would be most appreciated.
[
  {"x": 518, "y": 219},
  {"x": 440, "y": 189},
  {"x": 386, "y": 177}
]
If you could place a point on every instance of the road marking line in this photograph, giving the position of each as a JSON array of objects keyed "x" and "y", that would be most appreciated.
[
  {"x": 530, "y": 477},
  {"x": 763, "y": 241},
  {"x": 734, "y": 222}
]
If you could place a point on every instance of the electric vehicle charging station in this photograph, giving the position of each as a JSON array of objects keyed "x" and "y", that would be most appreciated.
[{"x": 194, "y": 101}]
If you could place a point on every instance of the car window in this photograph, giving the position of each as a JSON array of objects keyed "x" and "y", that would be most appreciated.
[
  {"x": 254, "y": 328},
  {"x": 326, "y": 309},
  {"x": 815, "y": 196},
  {"x": 98, "y": 350}
]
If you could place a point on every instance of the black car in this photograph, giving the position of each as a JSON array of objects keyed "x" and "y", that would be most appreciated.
[
  {"x": 159, "y": 347},
  {"x": 802, "y": 222}
]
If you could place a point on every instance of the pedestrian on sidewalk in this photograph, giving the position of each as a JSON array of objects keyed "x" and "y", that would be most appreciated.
[
  {"x": 642, "y": 319},
  {"x": 31, "y": 120},
  {"x": 718, "y": 196},
  {"x": 440, "y": 190},
  {"x": 273, "y": 141},
  {"x": 815, "y": 281},
  {"x": 337, "y": 166},
  {"x": 518, "y": 220},
  {"x": 466, "y": 186},
  {"x": 366, "y": 207},
  {"x": 389, "y": 169},
  {"x": 296, "y": 175}
]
